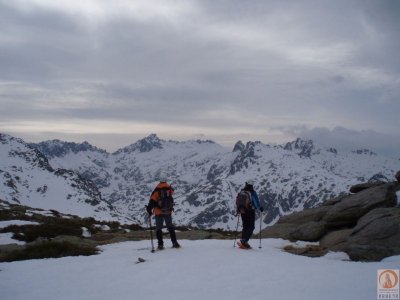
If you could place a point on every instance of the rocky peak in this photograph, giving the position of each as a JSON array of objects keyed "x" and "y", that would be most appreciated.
[
  {"x": 239, "y": 146},
  {"x": 144, "y": 145},
  {"x": 18, "y": 148},
  {"x": 204, "y": 142},
  {"x": 7, "y": 139},
  {"x": 333, "y": 150},
  {"x": 247, "y": 156},
  {"x": 303, "y": 147},
  {"x": 57, "y": 148}
]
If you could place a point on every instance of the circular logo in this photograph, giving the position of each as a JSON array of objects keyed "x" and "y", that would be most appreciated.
[{"x": 388, "y": 279}]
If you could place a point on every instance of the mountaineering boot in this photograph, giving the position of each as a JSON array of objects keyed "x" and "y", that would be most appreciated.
[
  {"x": 173, "y": 238},
  {"x": 246, "y": 244},
  {"x": 160, "y": 247},
  {"x": 243, "y": 245}
]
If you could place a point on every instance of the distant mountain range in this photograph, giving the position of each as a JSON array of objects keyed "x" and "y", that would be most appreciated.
[{"x": 85, "y": 180}]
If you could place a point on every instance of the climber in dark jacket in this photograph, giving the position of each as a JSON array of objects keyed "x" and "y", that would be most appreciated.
[{"x": 248, "y": 215}]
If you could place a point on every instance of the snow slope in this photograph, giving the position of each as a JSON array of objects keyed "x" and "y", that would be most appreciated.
[
  {"x": 27, "y": 178},
  {"x": 204, "y": 269}
]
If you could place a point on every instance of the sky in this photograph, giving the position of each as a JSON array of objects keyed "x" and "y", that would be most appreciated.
[{"x": 111, "y": 72}]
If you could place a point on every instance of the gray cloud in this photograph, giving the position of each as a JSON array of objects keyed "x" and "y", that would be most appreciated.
[
  {"x": 226, "y": 69},
  {"x": 345, "y": 139}
]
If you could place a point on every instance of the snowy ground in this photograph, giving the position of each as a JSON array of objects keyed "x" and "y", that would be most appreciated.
[{"x": 206, "y": 269}]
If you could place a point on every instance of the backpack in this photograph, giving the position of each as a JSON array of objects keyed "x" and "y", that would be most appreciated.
[
  {"x": 165, "y": 201},
  {"x": 243, "y": 201}
]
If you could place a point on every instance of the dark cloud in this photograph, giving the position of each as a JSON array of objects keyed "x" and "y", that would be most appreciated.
[{"x": 202, "y": 64}]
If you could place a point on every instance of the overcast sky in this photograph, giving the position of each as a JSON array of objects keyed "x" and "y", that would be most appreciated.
[{"x": 111, "y": 72}]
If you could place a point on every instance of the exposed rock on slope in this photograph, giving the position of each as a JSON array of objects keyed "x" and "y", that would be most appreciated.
[{"x": 365, "y": 225}]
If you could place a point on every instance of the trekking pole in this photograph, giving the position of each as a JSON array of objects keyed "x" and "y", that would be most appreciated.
[
  {"x": 261, "y": 213},
  {"x": 151, "y": 235},
  {"x": 237, "y": 226}
]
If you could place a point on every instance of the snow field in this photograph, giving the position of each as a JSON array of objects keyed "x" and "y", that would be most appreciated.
[{"x": 204, "y": 269}]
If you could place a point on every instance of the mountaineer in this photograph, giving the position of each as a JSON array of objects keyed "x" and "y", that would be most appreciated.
[
  {"x": 162, "y": 203},
  {"x": 247, "y": 202}
]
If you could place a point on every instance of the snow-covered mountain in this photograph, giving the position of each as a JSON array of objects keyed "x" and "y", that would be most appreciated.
[
  {"x": 207, "y": 176},
  {"x": 27, "y": 178}
]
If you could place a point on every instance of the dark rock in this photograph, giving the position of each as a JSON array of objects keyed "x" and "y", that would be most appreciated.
[
  {"x": 308, "y": 215},
  {"x": 308, "y": 250},
  {"x": 57, "y": 148},
  {"x": 282, "y": 231},
  {"x": 245, "y": 158},
  {"x": 347, "y": 212},
  {"x": 363, "y": 186},
  {"x": 364, "y": 152},
  {"x": 304, "y": 148},
  {"x": 397, "y": 176},
  {"x": 311, "y": 231},
  {"x": 376, "y": 236},
  {"x": 336, "y": 240},
  {"x": 239, "y": 146},
  {"x": 365, "y": 225}
]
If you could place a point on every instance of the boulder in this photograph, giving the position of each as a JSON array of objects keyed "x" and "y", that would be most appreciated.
[
  {"x": 304, "y": 225},
  {"x": 376, "y": 236},
  {"x": 282, "y": 231},
  {"x": 363, "y": 186},
  {"x": 310, "y": 231},
  {"x": 365, "y": 225},
  {"x": 336, "y": 240},
  {"x": 347, "y": 212},
  {"x": 308, "y": 215}
]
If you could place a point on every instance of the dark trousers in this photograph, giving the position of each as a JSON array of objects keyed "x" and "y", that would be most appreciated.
[
  {"x": 160, "y": 219},
  {"x": 248, "y": 220}
]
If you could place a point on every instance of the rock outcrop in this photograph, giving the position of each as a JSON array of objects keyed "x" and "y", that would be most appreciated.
[{"x": 365, "y": 225}]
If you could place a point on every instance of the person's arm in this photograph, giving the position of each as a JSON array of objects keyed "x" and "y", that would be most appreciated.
[
  {"x": 152, "y": 202},
  {"x": 255, "y": 200}
]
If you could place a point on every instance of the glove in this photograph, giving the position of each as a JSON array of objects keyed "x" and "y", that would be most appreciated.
[
  {"x": 261, "y": 208},
  {"x": 149, "y": 210}
]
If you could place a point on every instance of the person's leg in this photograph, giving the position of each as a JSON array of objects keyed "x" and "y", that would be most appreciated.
[
  {"x": 159, "y": 226},
  {"x": 248, "y": 219},
  {"x": 171, "y": 229}
]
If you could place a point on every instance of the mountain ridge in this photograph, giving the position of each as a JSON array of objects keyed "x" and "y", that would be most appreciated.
[{"x": 289, "y": 177}]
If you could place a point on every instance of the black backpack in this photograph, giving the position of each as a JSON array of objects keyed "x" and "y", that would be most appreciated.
[
  {"x": 165, "y": 201},
  {"x": 243, "y": 201}
]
